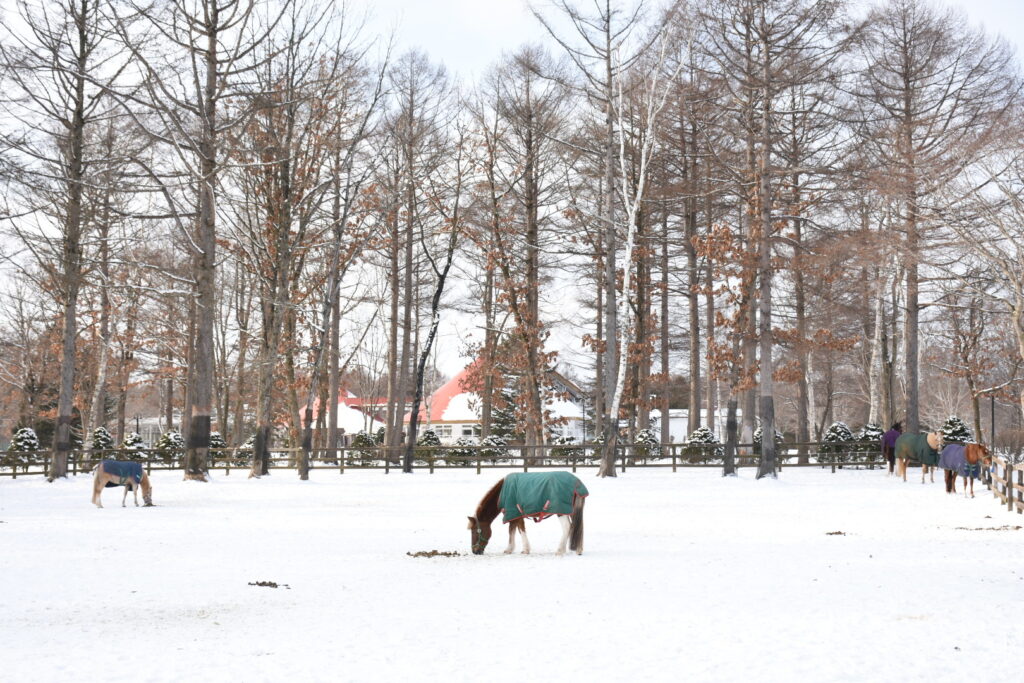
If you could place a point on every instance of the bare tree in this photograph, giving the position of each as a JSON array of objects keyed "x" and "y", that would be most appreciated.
[{"x": 932, "y": 94}]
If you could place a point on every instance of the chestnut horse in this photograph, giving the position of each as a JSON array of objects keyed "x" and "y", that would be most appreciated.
[
  {"x": 965, "y": 460},
  {"x": 130, "y": 475},
  {"x": 534, "y": 495}
]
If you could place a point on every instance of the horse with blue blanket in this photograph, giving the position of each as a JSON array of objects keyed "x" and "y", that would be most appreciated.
[
  {"x": 533, "y": 495},
  {"x": 922, "y": 448},
  {"x": 965, "y": 460},
  {"x": 130, "y": 475}
]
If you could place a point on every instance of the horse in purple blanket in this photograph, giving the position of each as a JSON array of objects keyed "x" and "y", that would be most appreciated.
[{"x": 965, "y": 460}]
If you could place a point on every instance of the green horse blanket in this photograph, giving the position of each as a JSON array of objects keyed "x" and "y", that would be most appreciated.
[
  {"x": 539, "y": 495},
  {"x": 915, "y": 448}
]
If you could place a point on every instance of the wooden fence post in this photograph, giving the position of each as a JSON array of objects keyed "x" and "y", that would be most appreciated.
[
  {"x": 1009, "y": 485},
  {"x": 672, "y": 449}
]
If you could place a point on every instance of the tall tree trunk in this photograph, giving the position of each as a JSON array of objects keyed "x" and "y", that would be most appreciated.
[
  {"x": 71, "y": 254},
  {"x": 663, "y": 398}
]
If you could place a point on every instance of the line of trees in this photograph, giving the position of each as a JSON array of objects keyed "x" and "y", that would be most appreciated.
[{"x": 790, "y": 209}]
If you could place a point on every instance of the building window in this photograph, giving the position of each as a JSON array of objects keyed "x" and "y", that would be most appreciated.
[
  {"x": 470, "y": 430},
  {"x": 443, "y": 431}
]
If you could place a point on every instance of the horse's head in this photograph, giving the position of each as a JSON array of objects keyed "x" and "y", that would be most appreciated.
[
  {"x": 147, "y": 492},
  {"x": 977, "y": 452},
  {"x": 479, "y": 534},
  {"x": 935, "y": 441}
]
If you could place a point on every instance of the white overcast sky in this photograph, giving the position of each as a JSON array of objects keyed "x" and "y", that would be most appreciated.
[{"x": 469, "y": 35}]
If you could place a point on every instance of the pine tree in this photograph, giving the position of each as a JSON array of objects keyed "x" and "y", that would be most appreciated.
[
  {"x": 495, "y": 450},
  {"x": 700, "y": 444},
  {"x": 566, "y": 448},
  {"x": 646, "y": 444},
  {"x": 426, "y": 446},
  {"x": 101, "y": 439},
  {"x": 835, "y": 439},
  {"x": 461, "y": 452},
  {"x": 169, "y": 446},
  {"x": 870, "y": 436},
  {"x": 217, "y": 447},
  {"x": 956, "y": 430},
  {"x": 133, "y": 447},
  {"x": 22, "y": 449},
  {"x": 364, "y": 448}
]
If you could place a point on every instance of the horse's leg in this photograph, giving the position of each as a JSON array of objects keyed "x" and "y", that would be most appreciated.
[
  {"x": 566, "y": 528},
  {"x": 125, "y": 496},
  {"x": 512, "y": 536},
  {"x": 97, "y": 490},
  {"x": 931, "y": 472},
  {"x": 526, "y": 541},
  {"x": 135, "y": 491}
]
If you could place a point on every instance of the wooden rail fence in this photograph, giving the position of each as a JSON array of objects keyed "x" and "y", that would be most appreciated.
[
  {"x": 1000, "y": 480},
  {"x": 574, "y": 456}
]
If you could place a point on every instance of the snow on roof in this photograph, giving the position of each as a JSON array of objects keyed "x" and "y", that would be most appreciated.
[
  {"x": 452, "y": 403},
  {"x": 353, "y": 420}
]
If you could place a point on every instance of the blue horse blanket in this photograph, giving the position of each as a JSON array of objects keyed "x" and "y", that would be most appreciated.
[
  {"x": 538, "y": 495},
  {"x": 128, "y": 473},
  {"x": 954, "y": 457}
]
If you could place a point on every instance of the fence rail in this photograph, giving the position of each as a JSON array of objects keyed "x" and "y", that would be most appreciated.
[
  {"x": 574, "y": 456},
  {"x": 1001, "y": 481}
]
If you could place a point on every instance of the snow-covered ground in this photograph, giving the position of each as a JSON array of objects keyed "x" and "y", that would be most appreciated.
[{"x": 685, "y": 576}]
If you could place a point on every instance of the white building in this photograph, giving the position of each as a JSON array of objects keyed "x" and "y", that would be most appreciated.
[
  {"x": 678, "y": 418},
  {"x": 453, "y": 412}
]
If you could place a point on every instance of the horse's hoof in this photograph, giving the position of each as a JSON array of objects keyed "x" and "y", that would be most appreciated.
[{"x": 508, "y": 552}]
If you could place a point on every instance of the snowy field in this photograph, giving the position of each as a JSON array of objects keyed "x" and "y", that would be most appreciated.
[{"x": 685, "y": 577}]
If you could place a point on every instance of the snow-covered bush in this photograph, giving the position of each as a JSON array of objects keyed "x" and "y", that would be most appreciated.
[
  {"x": 427, "y": 446},
  {"x": 243, "y": 456},
  {"x": 363, "y": 449},
  {"x": 647, "y": 445},
  {"x": 756, "y": 439},
  {"x": 835, "y": 442},
  {"x": 461, "y": 453},
  {"x": 566, "y": 448},
  {"x": 956, "y": 430},
  {"x": 133, "y": 447},
  {"x": 170, "y": 446},
  {"x": 702, "y": 444},
  {"x": 870, "y": 438},
  {"x": 494, "y": 450},
  {"x": 217, "y": 446},
  {"x": 101, "y": 439},
  {"x": 22, "y": 449}
]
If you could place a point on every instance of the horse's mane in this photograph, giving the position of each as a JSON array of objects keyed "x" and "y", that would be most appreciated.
[{"x": 490, "y": 499}]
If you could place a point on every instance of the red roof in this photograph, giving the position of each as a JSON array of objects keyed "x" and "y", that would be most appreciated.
[{"x": 440, "y": 399}]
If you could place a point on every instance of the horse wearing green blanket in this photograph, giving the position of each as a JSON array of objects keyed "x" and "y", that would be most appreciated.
[
  {"x": 922, "y": 448},
  {"x": 533, "y": 495}
]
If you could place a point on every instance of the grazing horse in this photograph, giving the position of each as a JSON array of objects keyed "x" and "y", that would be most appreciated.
[
  {"x": 534, "y": 495},
  {"x": 921, "y": 447},
  {"x": 965, "y": 460},
  {"x": 130, "y": 475}
]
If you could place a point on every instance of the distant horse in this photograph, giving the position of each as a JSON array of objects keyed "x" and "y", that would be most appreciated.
[
  {"x": 130, "y": 475},
  {"x": 534, "y": 495},
  {"x": 923, "y": 448},
  {"x": 965, "y": 460}
]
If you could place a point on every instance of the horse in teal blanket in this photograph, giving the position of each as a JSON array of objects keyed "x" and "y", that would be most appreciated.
[
  {"x": 922, "y": 448},
  {"x": 533, "y": 495}
]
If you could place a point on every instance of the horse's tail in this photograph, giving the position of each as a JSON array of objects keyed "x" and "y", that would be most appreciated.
[{"x": 576, "y": 536}]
